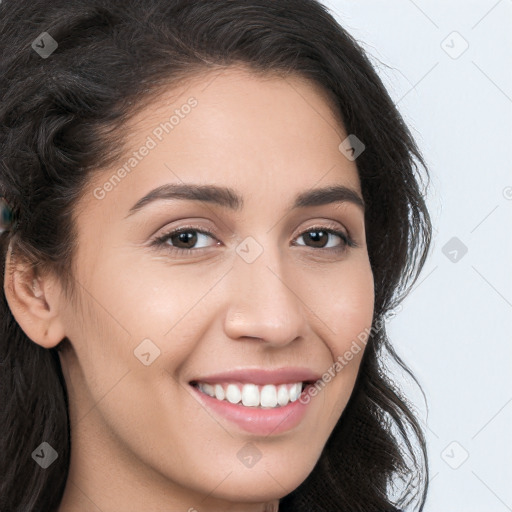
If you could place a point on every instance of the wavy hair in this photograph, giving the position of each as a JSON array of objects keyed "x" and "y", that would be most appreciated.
[{"x": 63, "y": 118}]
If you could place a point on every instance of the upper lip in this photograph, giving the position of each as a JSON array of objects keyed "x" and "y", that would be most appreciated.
[{"x": 261, "y": 376}]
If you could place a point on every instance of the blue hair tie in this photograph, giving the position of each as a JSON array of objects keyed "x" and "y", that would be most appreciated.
[{"x": 5, "y": 216}]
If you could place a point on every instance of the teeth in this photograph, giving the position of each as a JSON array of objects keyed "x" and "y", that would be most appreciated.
[
  {"x": 283, "y": 396},
  {"x": 209, "y": 389},
  {"x": 219, "y": 392},
  {"x": 233, "y": 394},
  {"x": 268, "y": 397},
  {"x": 251, "y": 395},
  {"x": 295, "y": 391}
]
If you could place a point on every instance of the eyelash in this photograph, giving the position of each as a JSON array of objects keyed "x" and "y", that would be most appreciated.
[{"x": 347, "y": 241}]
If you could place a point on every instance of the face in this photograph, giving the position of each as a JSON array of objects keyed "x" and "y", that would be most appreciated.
[{"x": 177, "y": 289}]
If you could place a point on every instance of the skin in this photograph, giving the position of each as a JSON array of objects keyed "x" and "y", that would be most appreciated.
[{"x": 140, "y": 438}]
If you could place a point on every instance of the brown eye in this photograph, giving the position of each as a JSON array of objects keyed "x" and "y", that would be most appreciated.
[
  {"x": 319, "y": 237},
  {"x": 184, "y": 239}
]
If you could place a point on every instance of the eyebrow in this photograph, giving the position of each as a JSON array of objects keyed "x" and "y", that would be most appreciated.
[{"x": 228, "y": 198}]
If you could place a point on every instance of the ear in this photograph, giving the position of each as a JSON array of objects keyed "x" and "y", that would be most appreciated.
[{"x": 35, "y": 302}]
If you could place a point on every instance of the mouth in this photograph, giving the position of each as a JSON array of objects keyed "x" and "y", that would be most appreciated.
[
  {"x": 247, "y": 394},
  {"x": 261, "y": 410}
]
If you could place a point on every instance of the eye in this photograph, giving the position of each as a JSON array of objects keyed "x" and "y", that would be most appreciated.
[
  {"x": 184, "y": 238},
  {"x": 319, "y": 235}
]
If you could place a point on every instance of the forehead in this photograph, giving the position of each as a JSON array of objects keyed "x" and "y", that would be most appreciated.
[{"x": 254, "y": 132}]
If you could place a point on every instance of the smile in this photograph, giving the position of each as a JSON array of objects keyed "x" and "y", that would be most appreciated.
[
  {"x": 256, "y": 419},
  {"x": 252, "y": 395}
]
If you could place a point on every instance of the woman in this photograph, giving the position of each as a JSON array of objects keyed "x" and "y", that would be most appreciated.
[{"x": 211, "y": 208}]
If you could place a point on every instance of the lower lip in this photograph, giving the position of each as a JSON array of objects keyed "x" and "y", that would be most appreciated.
[{"x": 256, "y": 420}]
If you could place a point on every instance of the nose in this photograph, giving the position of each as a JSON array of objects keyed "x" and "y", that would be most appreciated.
[{"x": 265, "y": 301}]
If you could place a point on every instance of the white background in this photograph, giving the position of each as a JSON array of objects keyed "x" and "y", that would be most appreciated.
[{"x": 454, "y": 331}]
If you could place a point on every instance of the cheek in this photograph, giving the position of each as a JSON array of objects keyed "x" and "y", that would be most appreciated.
[
  {"x": 136, "y": 301},
  {"x": 353, "y": 321},
  {"x": 344, "y": 306},
  {"x": 344, "y": 302},
  {"x": 117, "y": 310},
  {"x": 100, "y": 342}
]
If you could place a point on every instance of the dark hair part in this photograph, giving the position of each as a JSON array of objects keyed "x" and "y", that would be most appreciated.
[{"x": 62, "y": 118}]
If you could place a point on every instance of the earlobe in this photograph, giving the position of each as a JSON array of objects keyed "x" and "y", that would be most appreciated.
[{"x": 34, "y": 302}]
